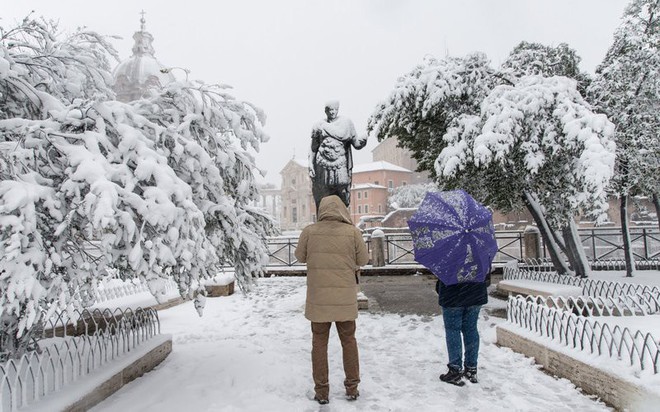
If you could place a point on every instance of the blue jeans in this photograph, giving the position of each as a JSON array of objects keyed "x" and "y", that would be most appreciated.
[{"x": 462, "y": 321}]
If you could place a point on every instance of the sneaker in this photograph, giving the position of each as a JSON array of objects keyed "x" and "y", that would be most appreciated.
[
  {"x": 321, "y": 401},
  {"x": 453, "y": 376},
  {"x": 471, "y": 375}
]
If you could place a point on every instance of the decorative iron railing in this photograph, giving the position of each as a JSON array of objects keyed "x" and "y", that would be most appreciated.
[
  {"x": 71, "y": 349},
  {"x": 640, "y": 350},
  {"x": 603, "y": 247},
  {"x": 399, "y": 250},
  {"x": 121, "y": 288},
  {"x": 623, "y": 305},
  {"x": 607, "y": 243},
  {"x": 590, "y": 287}
]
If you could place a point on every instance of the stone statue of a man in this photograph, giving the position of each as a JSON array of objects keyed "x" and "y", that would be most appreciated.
[{"x": 331, "y": 160}]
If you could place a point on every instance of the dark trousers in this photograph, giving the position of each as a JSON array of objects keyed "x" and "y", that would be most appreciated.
[{"x": 320, "y": 335}]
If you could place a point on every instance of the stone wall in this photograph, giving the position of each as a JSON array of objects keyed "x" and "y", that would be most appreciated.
[{"x": 611, "y": 389}]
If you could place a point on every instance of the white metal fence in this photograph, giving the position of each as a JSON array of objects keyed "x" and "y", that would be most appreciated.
[
  {"x": 590, "y": 287},
  {"x": 70, "y": 349},
  {"x": 117, "y": 289},
  {"x": 575, "y": 321},
  {"x": 586, "y": 334}
]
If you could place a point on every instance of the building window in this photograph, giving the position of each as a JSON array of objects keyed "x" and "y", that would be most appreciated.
[
  {"x": 403, "y": 183},
  {"x": 366, "y": 194},
  {"x": 366, "y": 208},
  {"x": 376, "y": 182},
  {"x": 294, "y": 214},
  {"x": 360, "y": 209},
  {"x": 390, "y": 184},
  {"x": 293, "y": 182},
  {"x": 359, "y": 195},
  {"x": 380, "y": 208}
]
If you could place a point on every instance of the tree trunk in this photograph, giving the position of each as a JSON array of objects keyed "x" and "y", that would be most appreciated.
[
  {"x": 575, "y": 250},
  {"x": 627, "y": 244},
  {"x": 569, "y": 249},
  {"x": 553, "y": 249},
  {"x": 560, "y": 242},
  {"x": 656, "y": 202}
]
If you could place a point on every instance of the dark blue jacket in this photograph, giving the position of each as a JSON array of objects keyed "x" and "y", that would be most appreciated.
[{"x": 463, "y": 294}]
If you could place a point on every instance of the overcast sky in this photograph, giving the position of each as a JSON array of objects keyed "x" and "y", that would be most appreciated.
[{"x": 291, "y": 56}]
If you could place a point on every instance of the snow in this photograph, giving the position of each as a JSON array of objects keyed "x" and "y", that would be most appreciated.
[
  {"x": 367, "y": 186},
  {"x": 375, "y": 166},
  {"x": 642, "y": 277},
  {"x": 616, "y": 367},
  {"x": 543, "y": 288},
  {"x": 644, "y": 324},
  {"x": 58, "y": 401},
  {"x": 252, "y": 353}
]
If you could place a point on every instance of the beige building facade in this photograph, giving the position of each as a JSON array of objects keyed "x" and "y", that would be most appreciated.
[{"x": 297, "y": 204}]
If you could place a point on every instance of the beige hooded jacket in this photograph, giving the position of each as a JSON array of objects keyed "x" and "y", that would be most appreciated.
[{"x": 334, "y": 251}]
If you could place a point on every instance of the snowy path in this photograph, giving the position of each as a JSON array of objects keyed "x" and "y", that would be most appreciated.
[{"x": 251, "y": 353}]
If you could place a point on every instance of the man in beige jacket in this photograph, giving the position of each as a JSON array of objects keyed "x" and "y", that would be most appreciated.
[{"x": 334, "y": 251}]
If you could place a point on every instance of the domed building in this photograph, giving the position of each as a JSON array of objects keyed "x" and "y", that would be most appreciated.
[{"x": 137, "y": 75}]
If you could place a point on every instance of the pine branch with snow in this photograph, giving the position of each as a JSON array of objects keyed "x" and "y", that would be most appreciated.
[
  {"x": 154, "y": 189},
  {"x": 535, "y": 59},
  {"x": 627, "y": 88},
  {"x": 425, "y": 101},
  {"x": 538, "y": 136}
]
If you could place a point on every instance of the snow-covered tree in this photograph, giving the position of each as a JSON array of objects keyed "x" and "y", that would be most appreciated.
[
  {"x": 529, "y": 59},
  {"x": 627, "y": 89},
  {"x": 410, "y": 196},
  {"x": 438, "y": 96},
  {"x": 425, "y": 100},
  {"x": 537, "y": 59},
  {"x": 434, "y": 97},
  {"x": 538, "y": 141},
  {"x": 65, "y": 67},
  {"x": 158, "y": 188}
]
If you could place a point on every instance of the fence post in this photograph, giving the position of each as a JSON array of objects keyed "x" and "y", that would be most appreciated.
[
  {"x": 532, "y": 242},
  {"x": 377, "y": 248}
]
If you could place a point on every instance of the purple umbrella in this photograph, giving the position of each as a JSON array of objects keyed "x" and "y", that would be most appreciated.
[{"x": 453, "y": 236}]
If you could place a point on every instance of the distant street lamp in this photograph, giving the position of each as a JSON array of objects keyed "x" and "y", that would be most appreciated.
[{"x": 169, "y": 70}]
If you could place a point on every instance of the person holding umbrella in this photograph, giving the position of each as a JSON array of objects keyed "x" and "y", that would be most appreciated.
[
  {"x": 334, "y": 250},
  {"x": 453, "y": 236},
  {"x": 461, "y": 304}
]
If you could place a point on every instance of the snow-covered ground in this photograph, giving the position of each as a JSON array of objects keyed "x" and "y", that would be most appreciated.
[
  {"x": 642, "y": 277},
  {"x": 251, "y": 353}
]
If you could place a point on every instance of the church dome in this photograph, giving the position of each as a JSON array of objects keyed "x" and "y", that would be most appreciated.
[{"x": 140, "y": 73}]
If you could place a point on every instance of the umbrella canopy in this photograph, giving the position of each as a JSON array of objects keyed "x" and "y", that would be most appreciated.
[{"x": 453, "y": 236}]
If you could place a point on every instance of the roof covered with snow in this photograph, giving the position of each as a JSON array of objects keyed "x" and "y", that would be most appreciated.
[
  {"x": 375, "y": 166},
  {"x": 367, "y": 186}
]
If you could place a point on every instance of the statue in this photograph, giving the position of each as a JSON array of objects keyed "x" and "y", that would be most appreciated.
[{"x": 331, "y": 159}]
